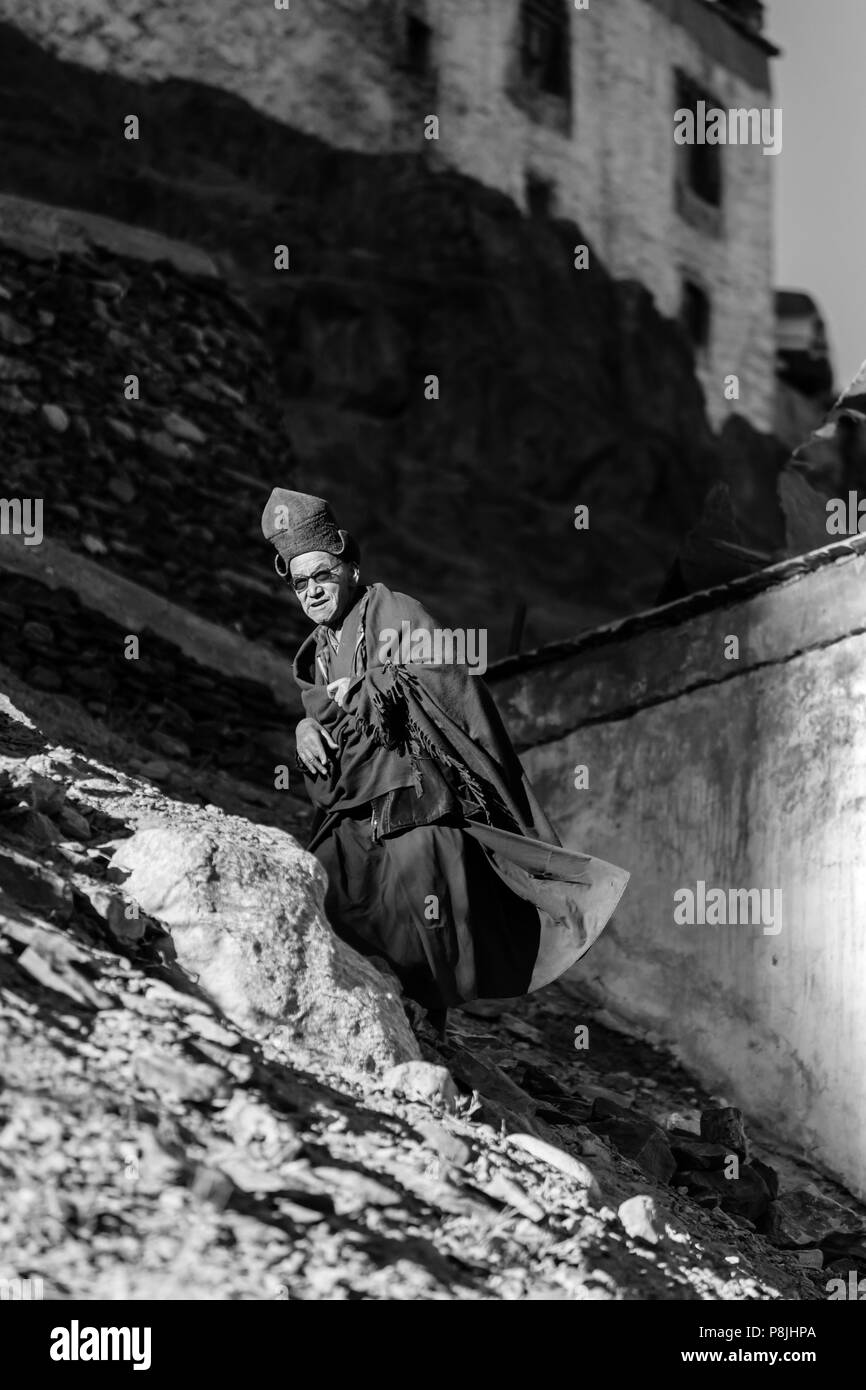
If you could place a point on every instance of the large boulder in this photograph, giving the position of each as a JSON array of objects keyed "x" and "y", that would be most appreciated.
[{"x": 244, "y": 905}]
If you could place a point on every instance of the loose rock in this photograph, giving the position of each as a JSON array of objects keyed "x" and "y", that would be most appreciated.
[
  {"x": 56, "y": 417},
  {"x": 422, "y": 1081},
  {"x": 724, "y": 1125},
  {"x": 557, "y": 1158},
  {"x": 178, "y": 1079},
  {"x": 745, "y": 1195},
  {"x": 448, "y": 1146},
  {"x": 184, "y": 429},
  {"x": 14, "y": 333},
  {"x": 511, "y": 1194},
  {"x": 806, "y": 1217},
  {"x": 641, "y": 1219},
  {"x": 641, "y": 1141}
]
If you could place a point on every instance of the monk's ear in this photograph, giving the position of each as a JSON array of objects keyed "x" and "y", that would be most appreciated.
[{"x": 356, "y": 574}]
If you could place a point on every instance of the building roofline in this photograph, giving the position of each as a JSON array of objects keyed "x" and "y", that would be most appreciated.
[
  {"x": 723, "y": 38},
  {"x": 790, "y": 302},
  {"x": 769, "y": 48}
]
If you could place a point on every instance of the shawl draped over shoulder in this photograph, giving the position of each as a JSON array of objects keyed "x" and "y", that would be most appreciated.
[{"x": 400, "y": 713}]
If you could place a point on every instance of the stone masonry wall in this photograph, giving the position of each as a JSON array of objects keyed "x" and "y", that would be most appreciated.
[{"x": 339, "y": 69}]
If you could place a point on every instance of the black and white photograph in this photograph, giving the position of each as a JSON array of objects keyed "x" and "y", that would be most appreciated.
[{"x": 432, "y": 673}]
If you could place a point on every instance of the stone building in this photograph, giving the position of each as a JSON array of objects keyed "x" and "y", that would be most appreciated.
[{"x": 568, "y": 110}]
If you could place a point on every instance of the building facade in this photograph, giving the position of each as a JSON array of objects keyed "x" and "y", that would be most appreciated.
[{"x": 568, "y": 110}]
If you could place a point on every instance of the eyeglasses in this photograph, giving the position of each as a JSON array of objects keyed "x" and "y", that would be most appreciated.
[{"x": 320, "y": 577}]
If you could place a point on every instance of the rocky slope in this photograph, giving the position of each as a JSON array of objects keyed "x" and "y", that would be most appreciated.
[
  {"x": 175, "y": 1123},
  {"x": 205, "y": 1094}
]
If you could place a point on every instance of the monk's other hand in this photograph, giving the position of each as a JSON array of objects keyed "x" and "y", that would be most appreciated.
[
  {"x": 338, "y": 690},
  {"x": 313, "y": 743}
]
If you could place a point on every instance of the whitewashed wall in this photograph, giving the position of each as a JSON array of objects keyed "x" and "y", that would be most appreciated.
[{"x": 743, "y": 774}]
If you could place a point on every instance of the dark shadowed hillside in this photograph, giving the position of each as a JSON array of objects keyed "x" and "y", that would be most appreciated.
[{"x": 558, "y": 387}]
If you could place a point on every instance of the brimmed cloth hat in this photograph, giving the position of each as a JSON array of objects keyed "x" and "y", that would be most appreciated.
[{"x": 296, "y": 523}]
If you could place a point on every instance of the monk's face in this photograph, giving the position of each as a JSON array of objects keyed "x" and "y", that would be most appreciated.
[{"x": 330, "y": 584}]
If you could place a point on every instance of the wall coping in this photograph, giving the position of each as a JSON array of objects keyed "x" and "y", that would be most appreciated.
[
  {"x": 137, "y": 609},
  {"x": 43, "y": 231},
  {"x": 613, "y": 671}
]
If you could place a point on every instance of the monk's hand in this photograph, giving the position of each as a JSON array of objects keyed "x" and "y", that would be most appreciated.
[
  {"x": 313, "y": 743},
  {"x": 338, "y": 690}
]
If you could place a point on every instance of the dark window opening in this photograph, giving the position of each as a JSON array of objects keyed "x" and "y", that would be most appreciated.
[
  {"x": 419, "y": 46},
  {"x": 696, "y": 316},
  {"x": 702, "y": 164},
  {"x": 539, "y": 196},
  {"x": 545, "y": 56}
]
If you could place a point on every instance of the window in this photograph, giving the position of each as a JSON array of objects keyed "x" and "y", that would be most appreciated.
[
  {"x": 545, "y": 57},
  {"x": 701, "y": 169},
  {"x": 539, "y": 196},
  {"x": 419, "y": 43},
  {"x": 696, "y": 316},
  {"x": 538, "y": 76}
]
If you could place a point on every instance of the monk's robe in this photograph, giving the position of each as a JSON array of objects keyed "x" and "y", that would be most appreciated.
[{"x": 439, "y": 857}]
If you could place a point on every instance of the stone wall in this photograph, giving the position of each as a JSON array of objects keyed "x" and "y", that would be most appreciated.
[
  {"x": 742, "y": 774},
  {"x": 342, "y": 70}
]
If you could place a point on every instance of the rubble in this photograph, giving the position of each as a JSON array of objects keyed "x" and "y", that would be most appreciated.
[
  {"x": 744, "y": 1195},
  {"x": 641, "y": 1141},
  {"x": 185, "y": 1118},
  {"x": 806, "y": 1216}
]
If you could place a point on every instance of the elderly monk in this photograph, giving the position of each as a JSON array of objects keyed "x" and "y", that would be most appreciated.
[{"x": 438, "y": 856}]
